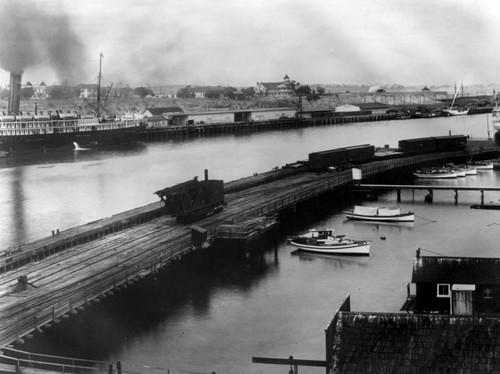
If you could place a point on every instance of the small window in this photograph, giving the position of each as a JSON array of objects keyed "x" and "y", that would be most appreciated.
[
  {"x": 443, "y": 290},
  {"x": 487, "y": 293}
]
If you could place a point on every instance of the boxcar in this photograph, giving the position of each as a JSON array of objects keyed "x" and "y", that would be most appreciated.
[
  {"x": 450, "y": 143},
  {"x": 433, "y": 144},
  {"x": 418, "y": 145},
  {"x": 325, "y": 159},
  {"x": 341, "y": 156},
  {"x": 360, "y": 153}
]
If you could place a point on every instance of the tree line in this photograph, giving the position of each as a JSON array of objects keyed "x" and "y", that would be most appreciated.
[{"x": 219, "y": 92}]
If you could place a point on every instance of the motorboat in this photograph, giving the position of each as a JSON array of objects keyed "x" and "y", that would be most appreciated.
[
  {"x": 379, "y": 214},
  {"x": 324, "y": 241}
]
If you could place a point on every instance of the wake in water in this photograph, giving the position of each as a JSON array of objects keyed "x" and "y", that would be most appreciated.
[{"x": 78, "y": 148}]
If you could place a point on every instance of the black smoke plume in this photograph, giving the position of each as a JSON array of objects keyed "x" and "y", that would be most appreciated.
[{"x": 31, "y": 35}]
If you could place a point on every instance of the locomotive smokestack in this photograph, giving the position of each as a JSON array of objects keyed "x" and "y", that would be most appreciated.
[{"x": 15, "y": 93}]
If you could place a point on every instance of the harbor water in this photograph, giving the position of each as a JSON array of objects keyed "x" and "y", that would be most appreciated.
[{"x": 213, "y": 313}]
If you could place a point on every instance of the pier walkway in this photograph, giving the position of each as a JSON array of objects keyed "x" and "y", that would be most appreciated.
[
  {"x": 101, "y": 257},
  {"x": 429, "y": 188}
]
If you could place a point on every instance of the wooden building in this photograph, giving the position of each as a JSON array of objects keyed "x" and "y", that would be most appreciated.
[
  {"x": 454, "y": 285},
  {"x": 373, "y": 108},
  {"x": 360, "y": 342}
]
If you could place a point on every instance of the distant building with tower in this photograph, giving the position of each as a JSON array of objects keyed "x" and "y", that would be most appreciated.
[{"x": 275, "y": 89}]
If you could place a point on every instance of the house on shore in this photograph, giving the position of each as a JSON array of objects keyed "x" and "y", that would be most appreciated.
[
  {"x": 454, "y": 285},
  {"x": 360, "y": 342}
]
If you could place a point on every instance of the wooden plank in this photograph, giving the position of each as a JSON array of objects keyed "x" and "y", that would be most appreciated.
[{"x": 288, "y": 361}]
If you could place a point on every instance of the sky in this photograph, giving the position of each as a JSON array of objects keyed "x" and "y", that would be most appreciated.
[{"x": 241, "y": 42}]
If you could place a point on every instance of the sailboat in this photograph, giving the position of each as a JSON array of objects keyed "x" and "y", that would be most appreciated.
[{"x": 457, "y": 111}]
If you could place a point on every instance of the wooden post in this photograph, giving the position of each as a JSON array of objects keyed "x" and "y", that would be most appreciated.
[
  {"x": 482, "y": 197},
  {"x": 118, "y": 367},
  {"x": 110, "y": 369},
  {"x": 399, "y": 194}
]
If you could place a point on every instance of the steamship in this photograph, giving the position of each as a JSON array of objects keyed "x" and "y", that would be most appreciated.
[{"x": 41, "y": 132}]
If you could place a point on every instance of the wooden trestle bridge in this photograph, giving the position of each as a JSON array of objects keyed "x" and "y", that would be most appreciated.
[{"x": 72, "y": 268}]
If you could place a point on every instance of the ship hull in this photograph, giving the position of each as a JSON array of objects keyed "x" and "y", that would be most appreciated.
[{"x": 33, "y": 143}]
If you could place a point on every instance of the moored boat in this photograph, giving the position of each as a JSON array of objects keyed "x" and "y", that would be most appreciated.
[
  {"x": 39, "y": 132},
  {"x": 323, "y": 241},
  {"x": 483, "y": 165},
  {"x": 379, "y": 214},
  {"x": 486, "y": 206},
  {"x": 435, "y": 173},
  {"x": 64, "y": 132}
]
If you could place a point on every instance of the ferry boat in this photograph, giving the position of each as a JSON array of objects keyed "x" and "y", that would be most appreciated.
[
  {"x": 53, "y": 131},
  {"x": 40, "y": 132}
]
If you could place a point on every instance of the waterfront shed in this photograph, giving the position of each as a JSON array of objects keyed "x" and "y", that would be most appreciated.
[
  {"x": 374, "y": 108},
  {"x": 266, "y": 114},
  {"x": 454, "y": 285},
  {"x": 361, "y": 342},
  {"x": 347, "y": 108},
  {"x": 162, "y": 111}
]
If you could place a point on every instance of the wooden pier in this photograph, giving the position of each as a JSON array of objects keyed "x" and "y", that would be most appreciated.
[
  {"x": 60, "y": 275},
  {"x": 430, "y": 189},
  {"x": 172, "y": 131}
]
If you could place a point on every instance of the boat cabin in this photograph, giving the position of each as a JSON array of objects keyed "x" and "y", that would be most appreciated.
[
  {"x": 321, "y": 234},
  {"x": 454, "y": 285}
]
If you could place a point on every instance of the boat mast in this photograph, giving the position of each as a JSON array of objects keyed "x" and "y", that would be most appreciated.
[
  {"x": 99, "y": 86},
  {"x": 454, "y": 97}
]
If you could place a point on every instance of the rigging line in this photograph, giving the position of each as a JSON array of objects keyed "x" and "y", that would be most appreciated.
[
  {"x": 425, "y": 219},
  {"x": 436, "y": 253}
]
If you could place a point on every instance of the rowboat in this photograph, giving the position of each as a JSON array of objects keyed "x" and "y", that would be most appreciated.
[
  {"x": 379, "y": 214},
  {"x": 323, "y": 241}
]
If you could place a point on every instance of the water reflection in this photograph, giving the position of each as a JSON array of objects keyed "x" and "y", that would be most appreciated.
[{"x": 335, "y": 260}]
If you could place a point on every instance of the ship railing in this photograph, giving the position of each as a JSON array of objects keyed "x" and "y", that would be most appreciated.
[{"x": 37, "y": 127}]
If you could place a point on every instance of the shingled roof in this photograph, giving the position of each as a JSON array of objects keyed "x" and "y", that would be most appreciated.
[
  {"x": 158, "y": 111},
  {"x": 465, "y": 270},
  {"x": 412, "y": 343}
]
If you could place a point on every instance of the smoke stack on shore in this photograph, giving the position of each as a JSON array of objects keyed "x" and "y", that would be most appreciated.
[{"x": 15, "y": 93}]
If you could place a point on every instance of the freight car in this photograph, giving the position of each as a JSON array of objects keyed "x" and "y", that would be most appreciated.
[
  {"x": 433, "y": 144},
  {"x": 339, "y": 157},
  {"x": 192, "y": 200}
]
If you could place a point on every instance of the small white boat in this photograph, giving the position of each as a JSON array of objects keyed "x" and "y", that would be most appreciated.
[
  {"x": 379, "y": 214},
  {"x": 457, "y": 112},
  {"x": 471, "y": 170},
  {"x": 323, "y": 241},
  {"x": 483, "y": 165},
  {"x": 435, "y": 173}
]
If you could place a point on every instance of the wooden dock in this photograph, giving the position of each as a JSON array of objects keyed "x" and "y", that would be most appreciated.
[
  {"x": 99, "y": 258},
  {"x": 429, "y": 188},
  {"x": 172, "y": 131}
]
